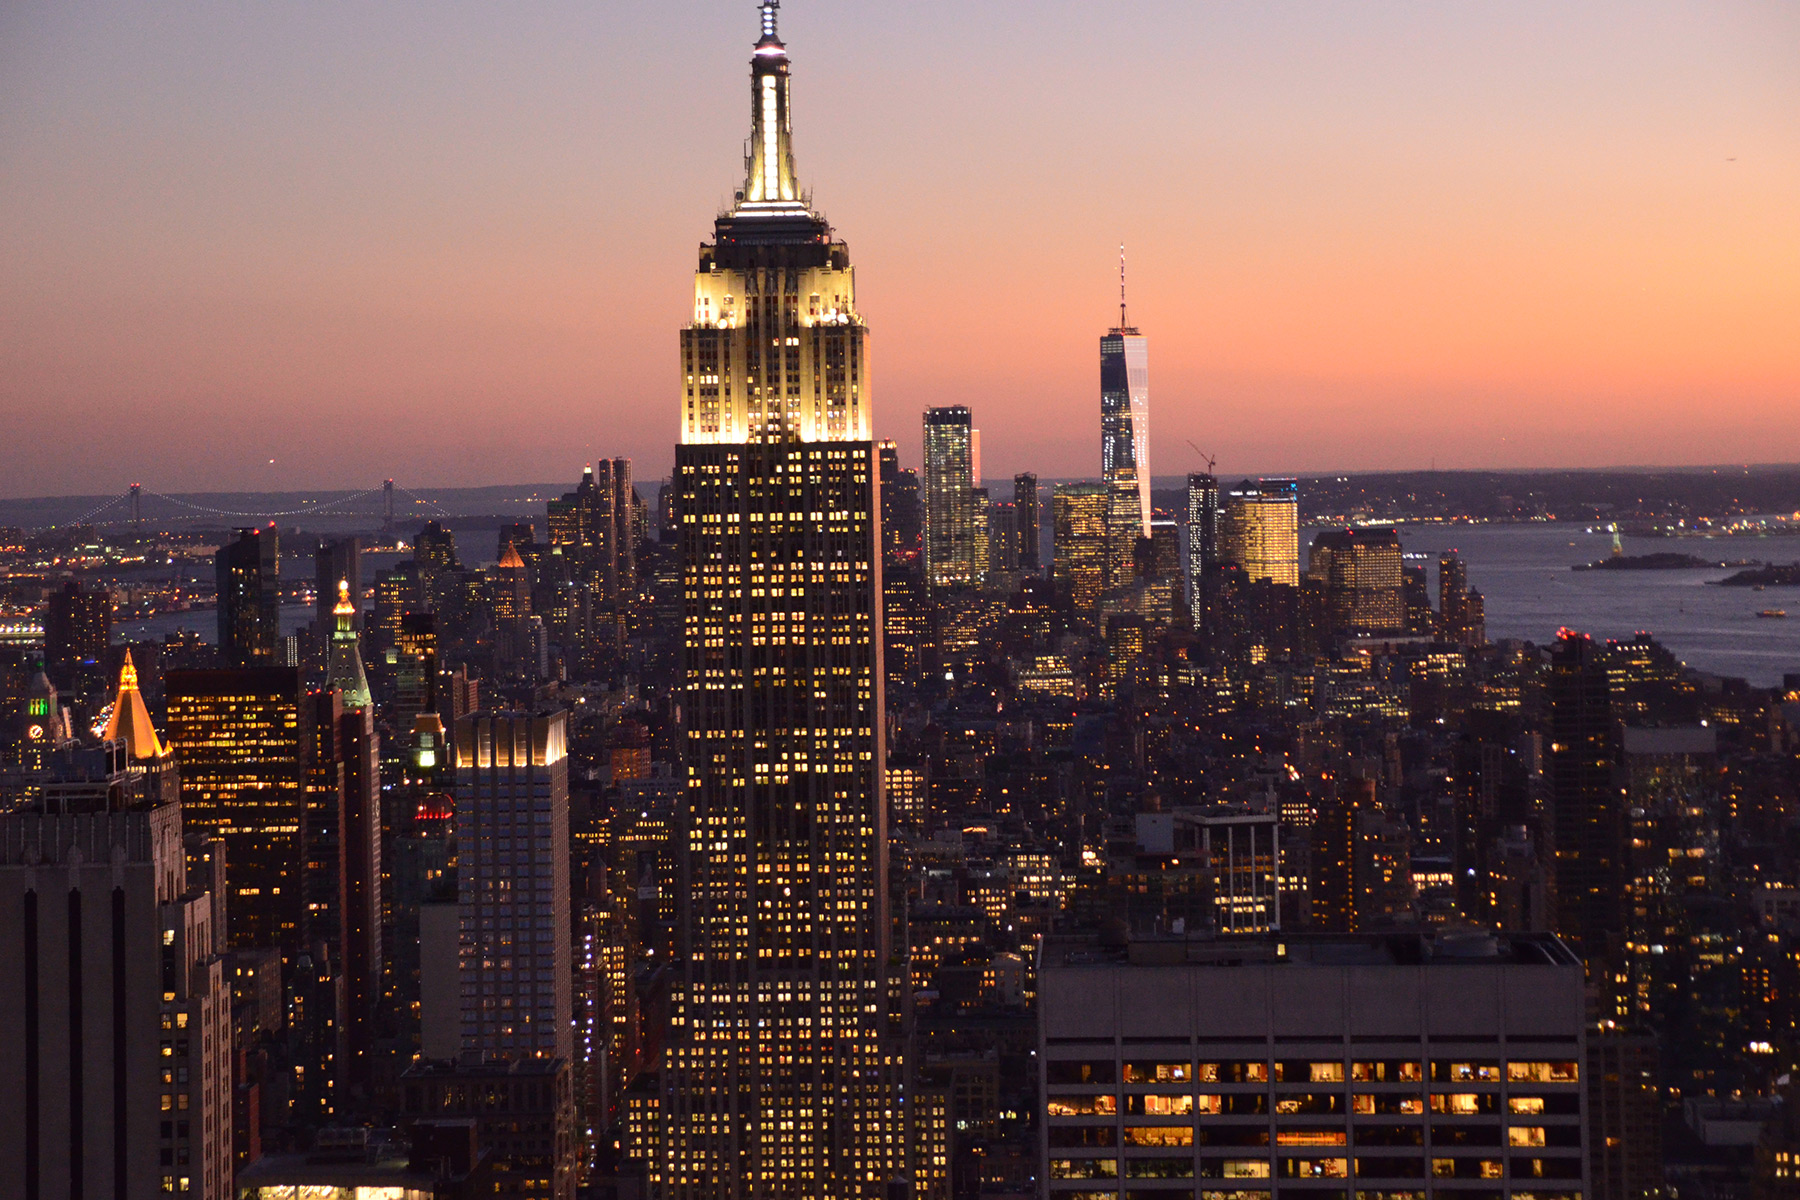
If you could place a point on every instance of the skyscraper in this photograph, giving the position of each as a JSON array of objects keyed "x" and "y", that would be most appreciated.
[
  {"x": 1124, "y": 439},
  {"x": 249, "y": 583},
  {"x": 1587, "y": 805},
  {"x": 592, "y": 525},
  {"x": 115, "y": 1073},
  {"x": 901, "y": 519},
  {"x": 335, "y": 561},
  {"x": 1462, "y": 613},
  {"x": 949, "y": 497},
  {"x": 1261, "y": 1064},
  {"x": 359, "y": 749},
  {"x": 1261, "y": 530},
  {"x": 775, "y": 1072},
  {"x": 1203, "y": 542},
  {"x": 236, "y": 737},
  {"x": 1025, "y": 514},
  {"x": 1361, "y": 571},
  {"x": 905, "y": 620},
  {"x": 512, "y": 834},
  {"x": 1078, "y": 534},
  {"x": 77, "y": 631}
]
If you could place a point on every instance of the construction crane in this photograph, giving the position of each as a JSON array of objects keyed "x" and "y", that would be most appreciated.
[{"x": 1206, "y": 458}]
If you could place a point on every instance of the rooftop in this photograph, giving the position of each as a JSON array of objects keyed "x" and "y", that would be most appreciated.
[{"x": 1461, "y": 949}]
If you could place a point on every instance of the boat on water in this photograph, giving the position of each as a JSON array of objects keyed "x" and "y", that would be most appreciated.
[{"x": 1773, "y": 613}]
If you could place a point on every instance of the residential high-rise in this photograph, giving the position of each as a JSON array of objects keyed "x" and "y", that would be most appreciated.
[
  {"x": 1203, "y": 542},
  {"x": 115, "y": 1072},
  {"x": 593, "y": 526},
  {"x": 905, "y": 619},
  {"x": 1003, "y": 542},
  {"x": 335, "y": 561},
  {"x": 1124, "y": 440},
  {"x": 1025, "y": 514},
  {"x": 1462, "y": 614},
  {"x": 77, "y": 632},
  {"x": 1078, "y": 537},
  {"x": 1587, "y": 808},
  {"x": 982, "y": 547},
  {"x": 249, "y": 583},
  {"x": 1260, "y": 531},
  {"x": 509, "y": 601},
  {"x": 902, "y": 528},
  {"x": 776, "y": 1068},
  {"x": 415, "y": 667},
  {"x": 628, "y": 527},
  {"x": 515, "y": 961},
  {"x": 236, "y": 738},
  {"x": 949, "y": 497}
]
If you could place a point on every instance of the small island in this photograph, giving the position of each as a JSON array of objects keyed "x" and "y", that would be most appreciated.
[
  {"x": 1767, "y": 575},
  {"x": 1663, "y": 561}
]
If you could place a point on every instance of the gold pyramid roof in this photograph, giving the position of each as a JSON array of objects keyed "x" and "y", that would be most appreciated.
[{"x": 131, "y": 720}]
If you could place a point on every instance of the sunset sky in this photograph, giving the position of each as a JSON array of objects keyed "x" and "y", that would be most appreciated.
[{"x": 452, "y": 243}]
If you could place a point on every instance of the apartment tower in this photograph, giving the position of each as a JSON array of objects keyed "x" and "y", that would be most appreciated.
[{"x": 949, "y": 497}]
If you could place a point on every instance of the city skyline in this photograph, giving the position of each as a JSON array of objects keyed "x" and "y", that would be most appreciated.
[
  {"x": 1506, "y": 237},
  {"x": 777, "y": 819}
]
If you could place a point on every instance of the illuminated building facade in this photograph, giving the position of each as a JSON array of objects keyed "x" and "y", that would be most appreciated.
[
  {"x": 1203, "y": 542},
  {"x": 776, "y": 1071},
  {"x": 1078, "y": 539},
  {"x": 949, "y": 497},
  {"x": 1316, "y": 1064},
  {"x": 237, "y": 741},
  {"x": 1124, "y": 442},
  {"x": 515, "y": 957},
  {"x": 1260, "y": 531},
  {"x": 1364, "y": 580}
]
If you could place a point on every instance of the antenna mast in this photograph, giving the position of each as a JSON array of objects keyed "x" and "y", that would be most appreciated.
[{"x": 1123, "y": 323}]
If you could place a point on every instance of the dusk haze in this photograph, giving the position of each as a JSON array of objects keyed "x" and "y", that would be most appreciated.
[{"x": 1366, "y": 236}]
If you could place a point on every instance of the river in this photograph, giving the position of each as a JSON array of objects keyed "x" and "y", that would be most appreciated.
[{"x": 1523, "y": 573}]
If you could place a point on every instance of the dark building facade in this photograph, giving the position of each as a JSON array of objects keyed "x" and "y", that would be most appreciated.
[{"x": 249, "y": 589}]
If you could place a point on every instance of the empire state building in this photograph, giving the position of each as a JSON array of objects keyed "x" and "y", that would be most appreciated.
[{"x": 776, "y": 1076}]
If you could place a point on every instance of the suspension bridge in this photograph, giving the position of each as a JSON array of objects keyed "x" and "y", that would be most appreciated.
[{"x": 139, "y": 506}]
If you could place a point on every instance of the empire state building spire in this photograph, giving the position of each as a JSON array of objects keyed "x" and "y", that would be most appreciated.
[
  {"x": 776, "y": 351},
  {"x": 770, "y": 162}
]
